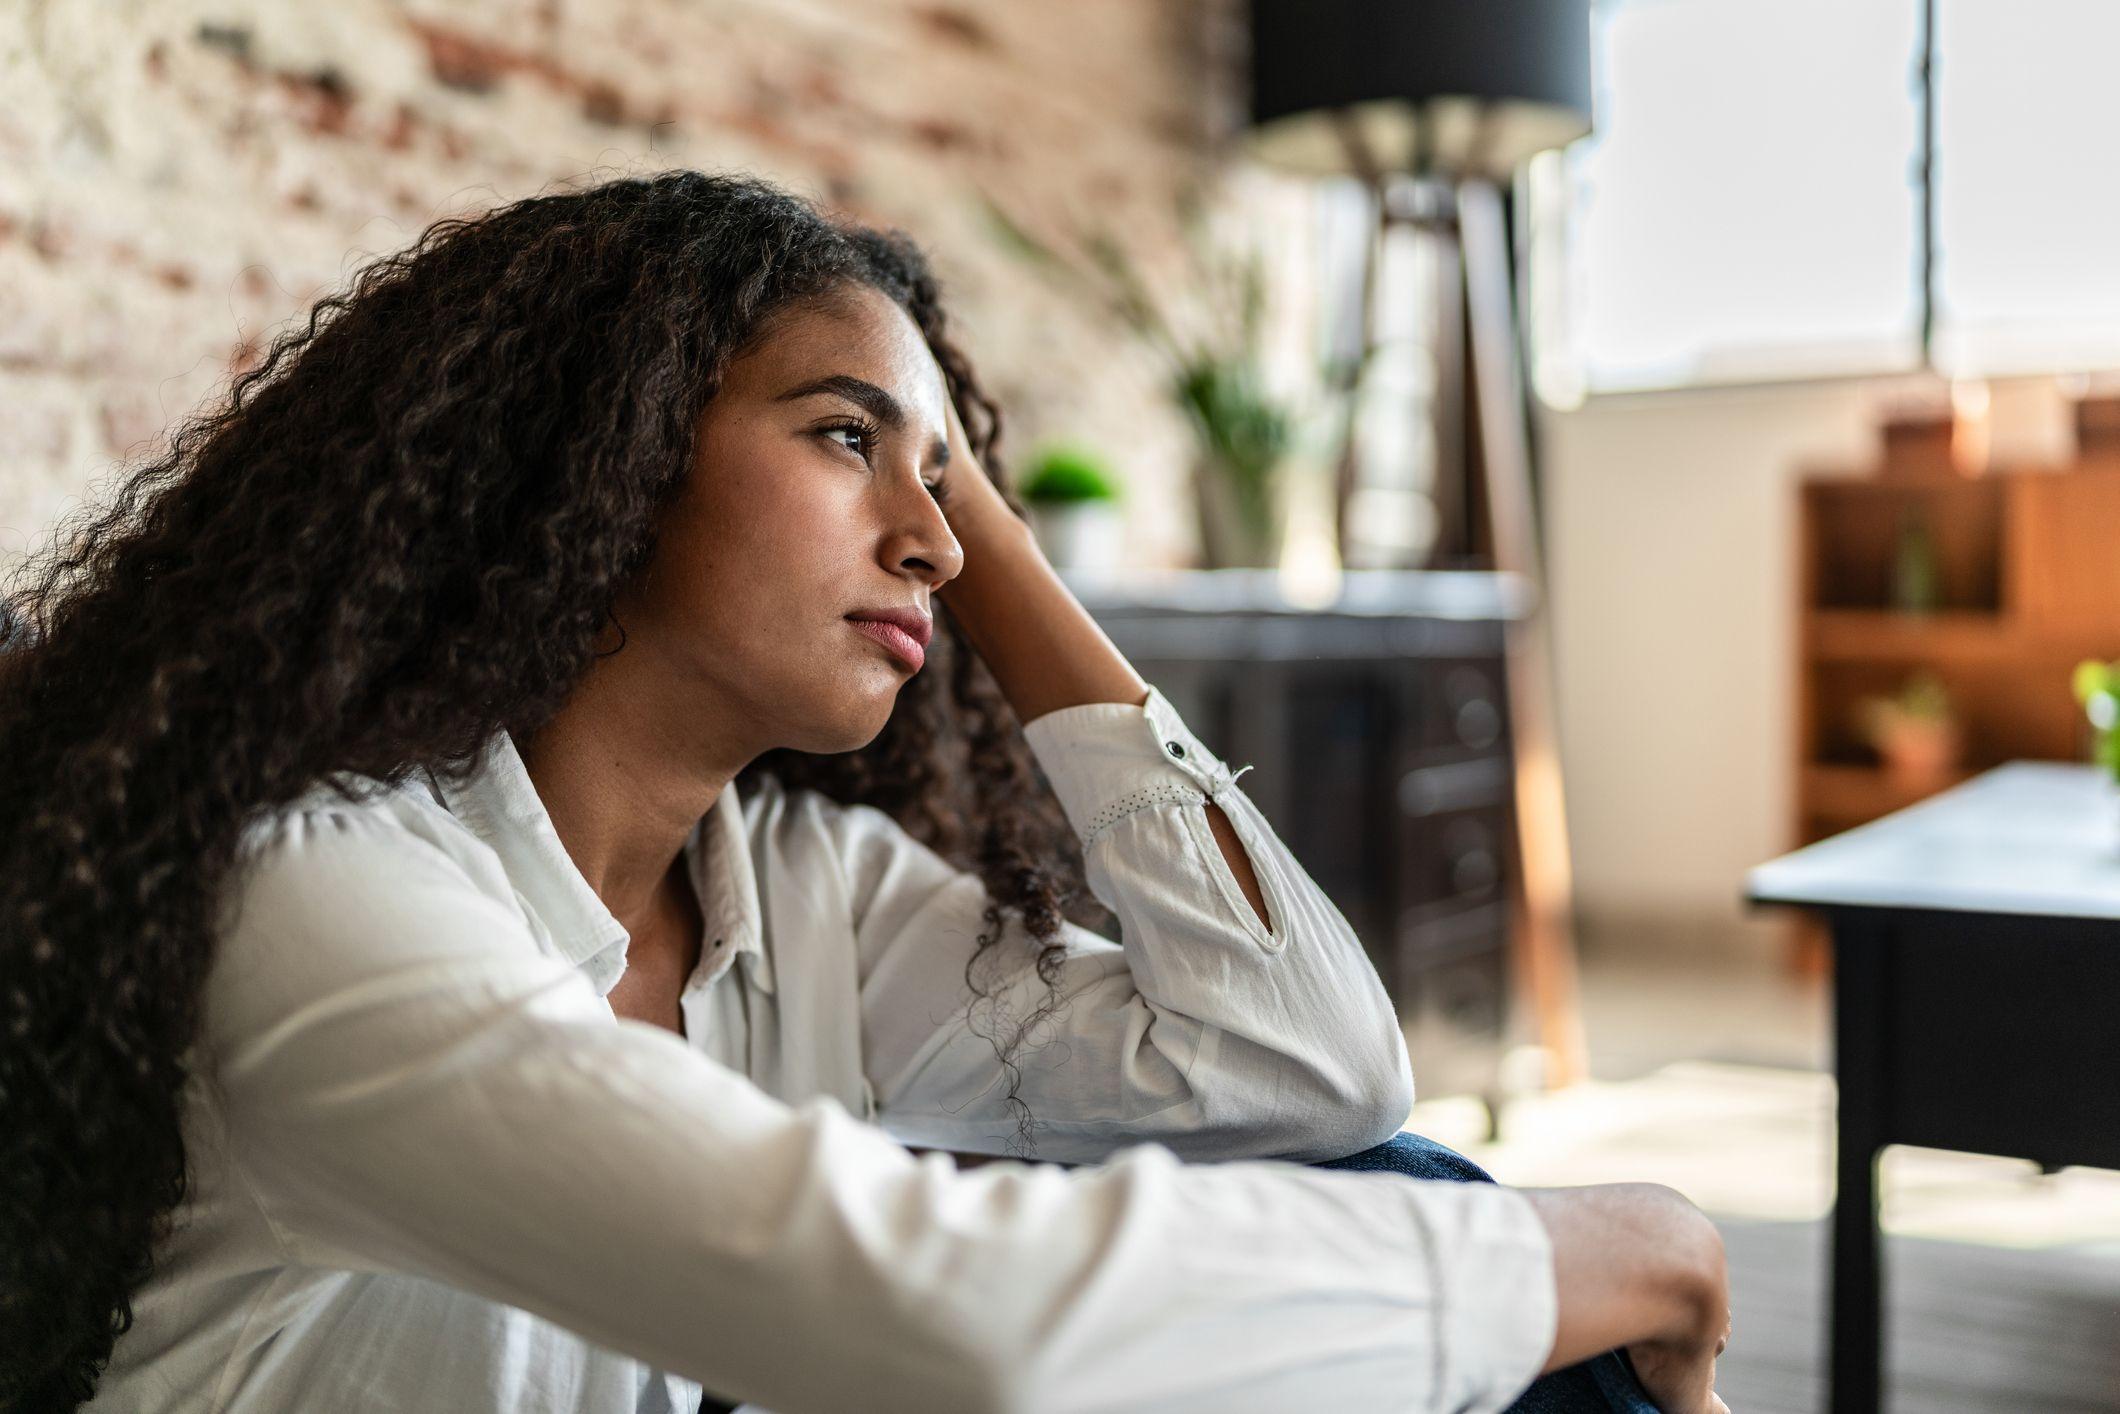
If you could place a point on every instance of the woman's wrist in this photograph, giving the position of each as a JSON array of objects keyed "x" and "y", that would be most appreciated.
[{"x": 1635, "y": 1264}]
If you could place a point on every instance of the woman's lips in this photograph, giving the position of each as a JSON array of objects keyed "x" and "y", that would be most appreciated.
[{"x": 894, "y": 638}]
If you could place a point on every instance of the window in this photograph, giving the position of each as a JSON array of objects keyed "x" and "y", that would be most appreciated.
[
  {"x": 2027, "y": 186},
  {"x": 1746, "y": 207},
  {"x": 1750, "y": 206}
]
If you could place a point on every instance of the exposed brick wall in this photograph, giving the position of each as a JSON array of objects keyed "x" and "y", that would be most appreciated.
[{"x": 178, "y": 177}]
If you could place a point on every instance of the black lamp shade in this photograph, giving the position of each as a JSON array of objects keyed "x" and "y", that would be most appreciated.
[{"x": 1466, "y": 87}]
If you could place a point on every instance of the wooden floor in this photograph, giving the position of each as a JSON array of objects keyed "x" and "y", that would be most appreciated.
[
  {"x": 1712, "y": 1082},
  {"x": 1971, "y": 1329}
]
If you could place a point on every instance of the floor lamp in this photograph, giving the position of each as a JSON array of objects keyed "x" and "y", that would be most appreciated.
[{"x": 1459, "y": 93}]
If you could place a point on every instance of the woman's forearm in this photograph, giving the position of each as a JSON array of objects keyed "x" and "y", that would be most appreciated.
[
  {"x": 1634, "y": 1264},
  {"x": 1042, "y": 646}
]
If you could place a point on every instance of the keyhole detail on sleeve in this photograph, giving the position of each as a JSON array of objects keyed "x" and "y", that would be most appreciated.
[{"x": 1177, "y": 749}]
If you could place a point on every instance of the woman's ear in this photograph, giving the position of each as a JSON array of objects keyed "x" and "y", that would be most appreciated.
[{"x": 613, "y": 633}]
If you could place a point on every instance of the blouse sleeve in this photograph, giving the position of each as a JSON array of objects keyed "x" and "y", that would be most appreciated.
[
  {"x": 1202, "y": 1029},
  {"x": 409, "y": 1086}
]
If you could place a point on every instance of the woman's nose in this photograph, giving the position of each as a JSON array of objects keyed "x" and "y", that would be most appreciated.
[{"x": 921, "y": 541}]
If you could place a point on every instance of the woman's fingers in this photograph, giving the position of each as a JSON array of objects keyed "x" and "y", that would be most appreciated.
[{"x": 960, "y": 440}]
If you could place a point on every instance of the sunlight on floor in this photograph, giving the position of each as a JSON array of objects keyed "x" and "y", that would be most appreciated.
[{"x": 1750, "y": 1141}]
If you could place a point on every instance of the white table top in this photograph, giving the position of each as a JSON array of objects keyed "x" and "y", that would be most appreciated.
[
  {"x": 1441, "y": 594},
  {"x": 2032, "y": 837}
]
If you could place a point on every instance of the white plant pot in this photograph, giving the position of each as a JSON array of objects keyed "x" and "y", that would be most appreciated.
[{"x": 1079, "y": 535}]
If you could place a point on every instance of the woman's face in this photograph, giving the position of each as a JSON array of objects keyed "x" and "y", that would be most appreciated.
[{"x": 808, "y": 507}]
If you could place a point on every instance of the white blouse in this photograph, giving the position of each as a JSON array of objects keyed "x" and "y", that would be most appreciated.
[{"x": 434, "y": 1172}]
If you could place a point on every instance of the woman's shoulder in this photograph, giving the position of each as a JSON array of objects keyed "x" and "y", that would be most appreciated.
[
  {"x": 351, "y": 805},
  {"x": 349, "y": 831},
  {"x": 343, "y": 896}
]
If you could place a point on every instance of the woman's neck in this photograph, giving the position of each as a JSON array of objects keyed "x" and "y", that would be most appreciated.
[{"x": 624, "y": 783}]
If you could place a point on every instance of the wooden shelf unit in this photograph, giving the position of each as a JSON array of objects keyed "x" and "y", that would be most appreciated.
[{"x": 2027, "y": 575}]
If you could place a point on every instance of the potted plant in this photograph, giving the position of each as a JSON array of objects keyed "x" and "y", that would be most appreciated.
[
  {"x": 1213, "y": 371},
  {"x": 1072, "y": 501},
  {"x": 1244, "y": 437},
  {"x": 1915, "y": 733},
  {"x": 2098, "y": 689}
]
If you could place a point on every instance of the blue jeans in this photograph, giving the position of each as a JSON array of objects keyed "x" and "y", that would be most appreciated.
[{"x": 1604, "y": 1385}]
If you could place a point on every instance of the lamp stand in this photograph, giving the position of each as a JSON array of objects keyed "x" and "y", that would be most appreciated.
[
  {"x": 1545, "y": 933},
  {"x": 1485, "y": 506}
]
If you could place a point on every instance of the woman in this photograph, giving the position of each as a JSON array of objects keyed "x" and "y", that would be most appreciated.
[{"x": 504, "y": 852}]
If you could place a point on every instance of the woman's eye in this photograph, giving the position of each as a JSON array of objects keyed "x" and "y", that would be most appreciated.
[{"x": 860, "y": 436}]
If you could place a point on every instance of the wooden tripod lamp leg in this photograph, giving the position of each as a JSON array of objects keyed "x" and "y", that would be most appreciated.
[{"x": 1545, "y": 931}]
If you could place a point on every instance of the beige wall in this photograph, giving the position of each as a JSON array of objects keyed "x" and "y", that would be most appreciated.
[
  {"x": 1672, "y": 536},
  {"x": 177, "y": 177}
]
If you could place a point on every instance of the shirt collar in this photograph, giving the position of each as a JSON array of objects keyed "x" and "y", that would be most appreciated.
[
  {"x": 719, "y": 855},
  {"x": 498, "y": 803}
]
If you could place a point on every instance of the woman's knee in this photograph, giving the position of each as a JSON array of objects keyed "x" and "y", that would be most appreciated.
[{"x": 1414, "y": 1156}]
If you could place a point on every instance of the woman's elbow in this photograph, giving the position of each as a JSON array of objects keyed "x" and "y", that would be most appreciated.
[
  {"x": 1360, "y": 1114},
  {"x": 1385, "y": 1102},
  {"x": 1386, "y": 1114}
]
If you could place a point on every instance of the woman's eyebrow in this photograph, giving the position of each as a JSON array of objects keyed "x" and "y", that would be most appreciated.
[{"x": 871, "y": 399}]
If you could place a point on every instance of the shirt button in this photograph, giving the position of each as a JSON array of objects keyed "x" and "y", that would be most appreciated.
[{"x": 1177, "y": 748}]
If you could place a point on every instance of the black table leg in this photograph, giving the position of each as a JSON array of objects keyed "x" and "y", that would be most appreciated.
[{"x": 1861, "y": 1022}]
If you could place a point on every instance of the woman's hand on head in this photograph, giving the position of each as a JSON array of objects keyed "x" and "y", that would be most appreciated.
[
  {"x": 1043, "y": 648},
  {"x": 974, "y": 507}
]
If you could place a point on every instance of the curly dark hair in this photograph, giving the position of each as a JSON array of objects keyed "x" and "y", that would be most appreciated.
[{"x": 398, "y": 534}]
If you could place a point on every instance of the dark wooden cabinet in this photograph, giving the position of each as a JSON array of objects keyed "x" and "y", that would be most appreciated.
[{"x": 1378, "y": 732}]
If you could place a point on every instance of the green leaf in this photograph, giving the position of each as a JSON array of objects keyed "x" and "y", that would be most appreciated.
[
  {"x": 1069, "y": 474},
  {"x": 2106, "y": 752}
]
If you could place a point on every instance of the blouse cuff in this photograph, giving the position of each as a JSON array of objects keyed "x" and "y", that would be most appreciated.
[
  {"x": 1107, "y": 760},
  {"x": 1498, "y": 1298}
]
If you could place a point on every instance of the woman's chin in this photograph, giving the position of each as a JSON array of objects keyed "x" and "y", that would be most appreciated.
[{"x": 852, "y": 718}]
